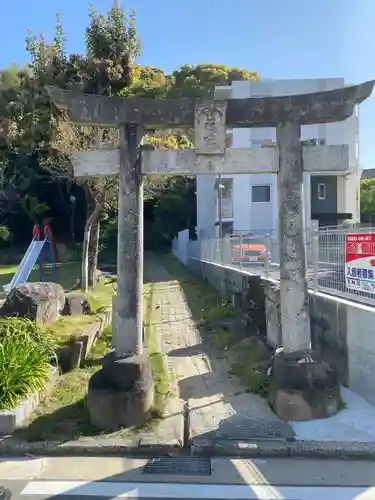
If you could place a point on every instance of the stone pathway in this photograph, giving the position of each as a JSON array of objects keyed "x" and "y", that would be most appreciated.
[{"x": 218, "y": 405}]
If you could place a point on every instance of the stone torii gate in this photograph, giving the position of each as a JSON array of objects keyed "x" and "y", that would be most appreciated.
[{"x": 131, "y": 161}]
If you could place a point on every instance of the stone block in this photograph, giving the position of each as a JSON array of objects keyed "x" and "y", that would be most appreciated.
[
  {"x": 328, "y": 318},
  {"x": 10, "y": 420},
  {"x": 72, "y": 355},
  {"x": 273, "y": 313},
  {"x": 121, "y": 394},
  {"x": 40, "y": 302},
  {"x": 304, "y": 387},
  {"x": 76, "y": 304},
  {"x": 253, "y": 305}
]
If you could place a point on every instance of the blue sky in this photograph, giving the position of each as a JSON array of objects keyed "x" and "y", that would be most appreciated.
[{"x": 277, "y": 38}]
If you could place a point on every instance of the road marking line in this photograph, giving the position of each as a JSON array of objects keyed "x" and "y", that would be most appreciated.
[{"x": 196, "y": 491}]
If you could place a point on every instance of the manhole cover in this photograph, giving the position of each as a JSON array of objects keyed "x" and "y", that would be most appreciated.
[{"x": 192, "y": 466}]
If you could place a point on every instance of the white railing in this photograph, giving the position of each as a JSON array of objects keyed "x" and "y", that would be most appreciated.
[{"x": 259, "y": 254}]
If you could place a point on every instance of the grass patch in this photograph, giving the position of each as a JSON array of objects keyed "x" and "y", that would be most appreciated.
[
  {"x": 66, "y": 328},
  {"x": 63, "y": 414},
  {"x": 208, "y": 308},
  {"x": 247, "y": 364},
  {"x": 101, "y": 296},
  {"x": 152, "y": 316},
  {"x": 66, "y": 274},
  {"x": 222, "y": 339}
]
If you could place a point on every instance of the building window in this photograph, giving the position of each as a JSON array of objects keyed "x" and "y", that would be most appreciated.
[
  {"x": 322, "y": 191},
  {"x": 261, "y": 194}
]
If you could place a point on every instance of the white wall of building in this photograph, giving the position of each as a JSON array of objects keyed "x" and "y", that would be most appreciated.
[
  {"x": 180, "y": 246},
  {"x": 248, "y": 215}
]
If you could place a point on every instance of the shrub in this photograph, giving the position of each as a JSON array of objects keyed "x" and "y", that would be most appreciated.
[
  {"x": 23, "y": 370},
  {"x": 26, "y": 330},
  {"x": 25, "y": 355},
  {"x": 4, "y": 234}
]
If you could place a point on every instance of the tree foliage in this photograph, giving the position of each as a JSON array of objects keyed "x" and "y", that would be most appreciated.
[
  {"x": 36, "y": 140},
  {"x": 368, "y": 198},
  {"x": 187, "y": 81}
]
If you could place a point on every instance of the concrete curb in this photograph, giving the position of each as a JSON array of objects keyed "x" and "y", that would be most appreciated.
[
  {"x": 139, "y": 447},
  {"x": 146, "y": 447},
  {"x": 283, "y": 448},
  {"x": 10, "y": 420}
]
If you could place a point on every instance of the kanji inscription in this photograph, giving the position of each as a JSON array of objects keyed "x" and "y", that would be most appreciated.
[{"x": 210, "y": 128}]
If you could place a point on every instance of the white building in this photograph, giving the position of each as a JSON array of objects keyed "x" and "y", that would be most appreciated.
[{"x": 249, "y": 201}]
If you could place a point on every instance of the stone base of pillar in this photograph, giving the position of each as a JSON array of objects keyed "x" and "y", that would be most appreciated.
[
  {"x": 303, "y": 386},
  {"x": 121, "y": 394}
]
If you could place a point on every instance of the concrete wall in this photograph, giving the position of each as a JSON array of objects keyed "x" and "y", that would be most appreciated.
[
  {"x": 206, "y": 205},
  {"x": 342, "y": 331},
  {"x": 180, "y": 246}
]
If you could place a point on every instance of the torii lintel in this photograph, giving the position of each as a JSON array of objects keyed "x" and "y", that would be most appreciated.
[{"x": 318, "y": 107}]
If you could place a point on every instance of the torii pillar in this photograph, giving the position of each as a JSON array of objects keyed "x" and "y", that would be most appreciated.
[{"x": 124, "y": 387}]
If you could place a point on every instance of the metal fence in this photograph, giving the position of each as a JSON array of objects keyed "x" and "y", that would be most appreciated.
[{"x": 260, "y": 254}]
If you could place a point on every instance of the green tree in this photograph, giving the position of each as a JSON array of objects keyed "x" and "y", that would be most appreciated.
[
  {"x": 187, "y": 81},
  {"x": 173, "y": 198},
  {"x": 108, "y": 67},
  {"x": 367, "y": 198},
  {"x": 112, "y": 45}
]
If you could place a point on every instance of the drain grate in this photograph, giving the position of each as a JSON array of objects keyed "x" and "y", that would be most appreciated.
[{"x": 189, "y": 466}]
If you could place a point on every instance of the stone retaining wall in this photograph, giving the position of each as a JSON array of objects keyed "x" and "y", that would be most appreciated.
[
  {"x": 342, "y": 331},
  {"x": 71, "y": 356}
]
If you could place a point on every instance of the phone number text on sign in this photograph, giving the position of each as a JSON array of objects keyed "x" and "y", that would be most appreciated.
[{"x": 360, "y": 262}]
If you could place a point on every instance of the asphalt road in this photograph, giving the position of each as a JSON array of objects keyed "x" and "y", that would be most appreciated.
[
  {"x": 105, "y": 491},
  {"x": 264, "y": 479}
]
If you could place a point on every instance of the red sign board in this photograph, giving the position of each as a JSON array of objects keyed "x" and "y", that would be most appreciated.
[{"x": 360, "y": 262}]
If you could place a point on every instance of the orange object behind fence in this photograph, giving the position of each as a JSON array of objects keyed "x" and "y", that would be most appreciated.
[{"x": 246, "y": 248}]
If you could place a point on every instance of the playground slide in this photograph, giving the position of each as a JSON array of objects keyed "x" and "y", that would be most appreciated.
[{"x": 26, "y": 265}]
